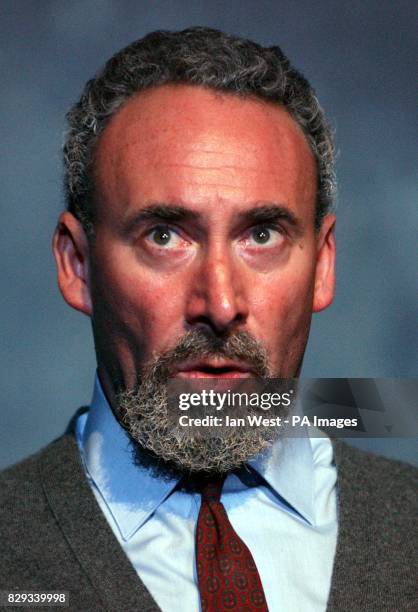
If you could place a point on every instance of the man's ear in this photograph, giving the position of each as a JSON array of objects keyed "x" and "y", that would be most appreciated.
[
  {"x": 71, "y": 251},
  {"x": 325, "y": 265}
]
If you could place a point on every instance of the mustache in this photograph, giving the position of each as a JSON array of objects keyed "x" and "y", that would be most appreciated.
[{"x": 200, "y": 343}]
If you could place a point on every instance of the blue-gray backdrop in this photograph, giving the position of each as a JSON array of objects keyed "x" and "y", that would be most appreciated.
[{"x": 360, "y": 57}]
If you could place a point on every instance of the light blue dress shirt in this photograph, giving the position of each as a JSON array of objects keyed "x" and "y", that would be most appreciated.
[{"x": 287, "y": 515}]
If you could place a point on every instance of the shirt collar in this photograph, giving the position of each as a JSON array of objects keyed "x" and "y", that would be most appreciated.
[
  {"x": 132, "y": 493},
  {"x": 288, "y": 468}
]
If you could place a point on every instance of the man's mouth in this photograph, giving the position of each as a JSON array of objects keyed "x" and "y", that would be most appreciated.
[{"x": 213, "y": 368}]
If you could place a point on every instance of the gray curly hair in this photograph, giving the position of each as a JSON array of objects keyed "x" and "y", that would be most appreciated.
[{"x": 196, "y": 56}]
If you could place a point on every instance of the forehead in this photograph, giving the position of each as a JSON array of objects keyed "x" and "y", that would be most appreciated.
[{"x": 198, "y": 147}]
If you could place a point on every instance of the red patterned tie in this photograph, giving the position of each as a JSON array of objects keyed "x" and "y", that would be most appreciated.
[{"x": 228, "y": 577}]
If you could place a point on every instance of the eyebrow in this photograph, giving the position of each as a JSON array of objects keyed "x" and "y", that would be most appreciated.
[
  {"x": 158, "y": 212},
  {"x": 162, "y": 212},
  {"x": 269, "y": 213}
]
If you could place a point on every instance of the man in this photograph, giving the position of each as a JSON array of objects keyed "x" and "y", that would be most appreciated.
[{"x": 199, "y": 238}]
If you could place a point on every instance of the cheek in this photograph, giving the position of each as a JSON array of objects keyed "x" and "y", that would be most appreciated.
[
  {"x": 156, "y": 314},
  {"x": 285, "y": 295},
  {"x": 136, "y": 313},
  {"x": 283, "y": 311}
]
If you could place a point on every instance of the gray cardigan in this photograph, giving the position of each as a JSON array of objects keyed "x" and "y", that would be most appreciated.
[{"x": 53, "y": 535}]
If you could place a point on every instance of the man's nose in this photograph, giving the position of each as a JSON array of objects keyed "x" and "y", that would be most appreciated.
[{"x": 217, "y": 295}]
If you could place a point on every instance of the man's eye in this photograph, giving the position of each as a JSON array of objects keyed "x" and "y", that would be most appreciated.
[
  {"x": 164, "y": 236},
  {"x": 265, "y": 236}
]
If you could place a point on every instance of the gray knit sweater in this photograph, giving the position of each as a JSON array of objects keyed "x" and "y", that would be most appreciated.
[{"x": 53, "y": 535}]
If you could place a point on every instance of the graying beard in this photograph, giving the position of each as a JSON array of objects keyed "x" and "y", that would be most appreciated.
[{"x": 143, "y": 411}]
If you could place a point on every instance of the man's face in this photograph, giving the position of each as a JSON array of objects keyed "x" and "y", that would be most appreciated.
[{"x": 205, "y": 207}]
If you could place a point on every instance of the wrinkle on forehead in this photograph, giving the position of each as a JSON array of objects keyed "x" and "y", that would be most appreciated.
[{"x": 189, "y": 137}]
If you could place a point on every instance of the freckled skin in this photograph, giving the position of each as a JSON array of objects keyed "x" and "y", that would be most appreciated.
[{"x": 217, "y": 155}]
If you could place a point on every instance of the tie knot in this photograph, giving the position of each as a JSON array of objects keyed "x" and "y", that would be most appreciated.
[{"x": 211, "y": 489}]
